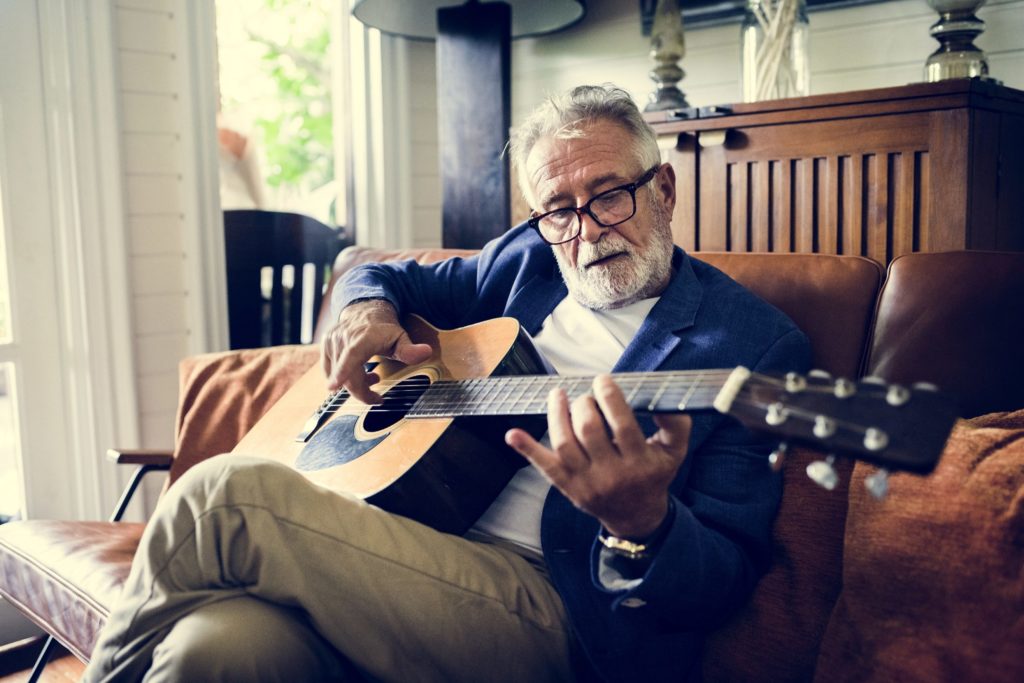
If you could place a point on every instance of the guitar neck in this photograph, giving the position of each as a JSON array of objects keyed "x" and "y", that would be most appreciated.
[{"x": 646, "y": 392}]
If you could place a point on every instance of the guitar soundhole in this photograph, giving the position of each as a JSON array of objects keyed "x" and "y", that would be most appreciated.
[{"x": 397, "y": 402}]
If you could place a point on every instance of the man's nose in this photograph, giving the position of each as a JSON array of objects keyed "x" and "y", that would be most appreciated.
[{"x": 590, "y": 230}]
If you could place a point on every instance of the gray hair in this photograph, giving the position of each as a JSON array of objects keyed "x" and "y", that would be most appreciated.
[{"x": 564, "y": 116}]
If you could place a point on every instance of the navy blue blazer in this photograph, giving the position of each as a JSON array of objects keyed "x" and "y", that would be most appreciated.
[{"x": 725, "y": 495}]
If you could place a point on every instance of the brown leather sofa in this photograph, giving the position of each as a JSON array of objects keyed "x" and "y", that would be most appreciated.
[{"x": 925, "y": 585}]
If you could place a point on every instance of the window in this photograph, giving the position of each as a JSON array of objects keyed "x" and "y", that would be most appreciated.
[
  {"x": 11, "y": 496},
  {"x": 276, "y": 117}
]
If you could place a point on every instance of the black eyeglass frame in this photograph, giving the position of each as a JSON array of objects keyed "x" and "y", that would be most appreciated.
[{"x": 648, "y": 176}]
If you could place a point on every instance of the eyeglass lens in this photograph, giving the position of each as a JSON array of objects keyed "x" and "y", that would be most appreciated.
[{"x": 608, "y": 209}]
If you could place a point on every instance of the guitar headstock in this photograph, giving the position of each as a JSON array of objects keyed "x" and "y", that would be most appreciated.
[{"x": 889, "y": 425}]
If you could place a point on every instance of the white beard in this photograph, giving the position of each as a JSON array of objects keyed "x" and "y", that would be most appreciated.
[{"x": 625, "y": 280}]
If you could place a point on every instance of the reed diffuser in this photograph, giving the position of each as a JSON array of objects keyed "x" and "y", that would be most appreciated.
[{"x": 774, "y": 39}]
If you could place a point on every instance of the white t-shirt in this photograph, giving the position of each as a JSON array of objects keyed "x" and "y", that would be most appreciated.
[{"x": 575, "y": 340}]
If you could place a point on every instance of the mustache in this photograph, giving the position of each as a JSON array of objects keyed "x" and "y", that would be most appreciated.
[{"x": 590, "y": 252}]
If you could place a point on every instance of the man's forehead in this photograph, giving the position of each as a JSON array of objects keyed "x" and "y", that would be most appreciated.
[{"x": 556, "y": 167}]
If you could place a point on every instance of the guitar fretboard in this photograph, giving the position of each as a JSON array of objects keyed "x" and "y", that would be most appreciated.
[{"x": 654, "y": 392}]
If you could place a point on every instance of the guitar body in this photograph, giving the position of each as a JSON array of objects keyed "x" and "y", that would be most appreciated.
[{"x": 442, "y": 471}]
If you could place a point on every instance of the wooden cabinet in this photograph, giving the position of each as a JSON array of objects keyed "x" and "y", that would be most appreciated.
[{"x": 925, "y": 167}]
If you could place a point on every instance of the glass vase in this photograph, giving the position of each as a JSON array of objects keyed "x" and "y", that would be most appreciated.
[{"x": 774, "y": 46}]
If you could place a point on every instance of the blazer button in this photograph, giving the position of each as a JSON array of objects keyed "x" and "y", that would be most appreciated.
[{"x": 633, "y": 602}]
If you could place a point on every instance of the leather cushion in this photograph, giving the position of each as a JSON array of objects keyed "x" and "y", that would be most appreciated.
[
  {"x": 936, "y": 308},
  {"x": 831, "y": 298},
  {"x": 66, "y": 575},
  {"x": 933, "y": 588}
]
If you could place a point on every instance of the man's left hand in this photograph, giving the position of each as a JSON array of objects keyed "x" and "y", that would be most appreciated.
[{"x": 600, "y": 460}]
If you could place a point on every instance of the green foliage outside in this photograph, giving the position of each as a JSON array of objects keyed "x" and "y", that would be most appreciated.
[{"x": 275, "y": 67}]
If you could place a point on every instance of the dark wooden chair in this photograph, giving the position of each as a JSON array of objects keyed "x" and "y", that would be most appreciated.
[{"x": 270, "y": 289}]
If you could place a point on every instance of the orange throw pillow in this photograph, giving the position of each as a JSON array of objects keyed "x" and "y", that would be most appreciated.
[
  {"x": 933, "y": 578},
  {"x": 222, "y": 395}
]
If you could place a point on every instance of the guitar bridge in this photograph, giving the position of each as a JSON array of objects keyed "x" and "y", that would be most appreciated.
[
  {"x": 320, "y": 415},
  {"x": 312, "y": 424}
]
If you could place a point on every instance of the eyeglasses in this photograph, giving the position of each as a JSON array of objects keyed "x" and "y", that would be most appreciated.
[{"x": 608, "y": 209}]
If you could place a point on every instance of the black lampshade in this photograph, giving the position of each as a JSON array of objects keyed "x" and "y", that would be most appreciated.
[{"x": 418, "y": 18}]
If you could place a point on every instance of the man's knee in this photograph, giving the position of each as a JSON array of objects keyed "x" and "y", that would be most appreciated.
[
  {"x": 224, "y": 478},
  {"x": 243, "y": 639}
]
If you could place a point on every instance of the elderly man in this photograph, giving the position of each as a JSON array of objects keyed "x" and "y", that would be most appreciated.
[{"x": 606, "y": 558}]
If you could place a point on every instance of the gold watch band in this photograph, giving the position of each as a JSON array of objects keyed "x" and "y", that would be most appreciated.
[{"x": 621, "y": 546}]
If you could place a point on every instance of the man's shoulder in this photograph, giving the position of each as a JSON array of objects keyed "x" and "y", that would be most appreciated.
[{"x": 518, "y": 248}]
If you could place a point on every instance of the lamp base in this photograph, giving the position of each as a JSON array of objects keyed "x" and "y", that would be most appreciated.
[{"x": 956, "y": 29}]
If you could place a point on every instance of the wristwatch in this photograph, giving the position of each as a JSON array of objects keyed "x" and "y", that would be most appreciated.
[
  {"x": 642, "y": 549},
  {"x": 623, "y": 547}
]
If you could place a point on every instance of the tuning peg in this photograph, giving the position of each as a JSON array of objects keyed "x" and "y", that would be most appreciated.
[
  {"x": 897, "y": 395},
  {"x": 777, "y": 458},
  {"x": 877, "y": 484},
  {"x": 924, "y": 386},
  {"x": 795, "y": 382},
  {"x": 875, "y": 439},
  {"x": 820, "y": 374},
  {"x": 844, "y": 388},
  {"x": 824, "y": 426},
  {"x": 823, "y": 473},
  {"x": 776, "y": 414},
  {"x": 872, "y": 379}
]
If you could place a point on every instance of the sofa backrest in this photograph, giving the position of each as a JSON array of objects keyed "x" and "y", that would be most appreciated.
[
  {"x": 954, "y": 319},
  {"x": 831, "y": 298}
]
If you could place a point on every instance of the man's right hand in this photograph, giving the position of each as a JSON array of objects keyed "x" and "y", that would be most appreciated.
[{"x": 366, "y": 329}]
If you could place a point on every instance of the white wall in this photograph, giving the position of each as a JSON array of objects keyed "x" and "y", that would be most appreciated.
[
  {"x": 873, "y": 46},
  {"x": 163, "y": 82},
  {"x": 151, "y": 141}
]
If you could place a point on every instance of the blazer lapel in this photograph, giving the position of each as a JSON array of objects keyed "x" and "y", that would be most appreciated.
[
  {"x": 532, "y": 304},
  {"x": 675, "y": 311}
]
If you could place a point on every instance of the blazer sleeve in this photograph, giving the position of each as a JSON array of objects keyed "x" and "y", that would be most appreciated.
[
  {"x": 719, "y": 542},
  {"x": 454, "y": 292}
]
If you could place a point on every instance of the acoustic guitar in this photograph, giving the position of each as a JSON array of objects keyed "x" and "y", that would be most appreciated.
[{"x": 434, "y": 450}]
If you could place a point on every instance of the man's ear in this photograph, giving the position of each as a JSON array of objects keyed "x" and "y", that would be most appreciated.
[{"x": 665, "y": 181}]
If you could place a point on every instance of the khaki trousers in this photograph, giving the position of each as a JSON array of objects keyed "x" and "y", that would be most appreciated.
[{"x": 248, "y": 572}]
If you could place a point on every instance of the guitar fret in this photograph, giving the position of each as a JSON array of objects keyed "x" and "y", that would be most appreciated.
[
  {"x": 535, "y": 404},
  {"x": 573, "y": 391},
  {"x": 468, "y": 400},
  {"x": 511, "y": 403},
  {"x": 657, "y": 397},
  {"x": 484, "y": 404},
  {"x": 632, "y": 394},
  {"x": 689, "y": 393}
]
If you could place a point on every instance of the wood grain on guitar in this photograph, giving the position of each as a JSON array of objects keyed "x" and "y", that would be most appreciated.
[{"x": 435, "y": 451}]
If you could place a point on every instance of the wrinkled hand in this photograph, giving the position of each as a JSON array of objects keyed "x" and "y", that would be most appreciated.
[
  {"x": 600, "y": 460},
  {"x": 366, "y": 329}
]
